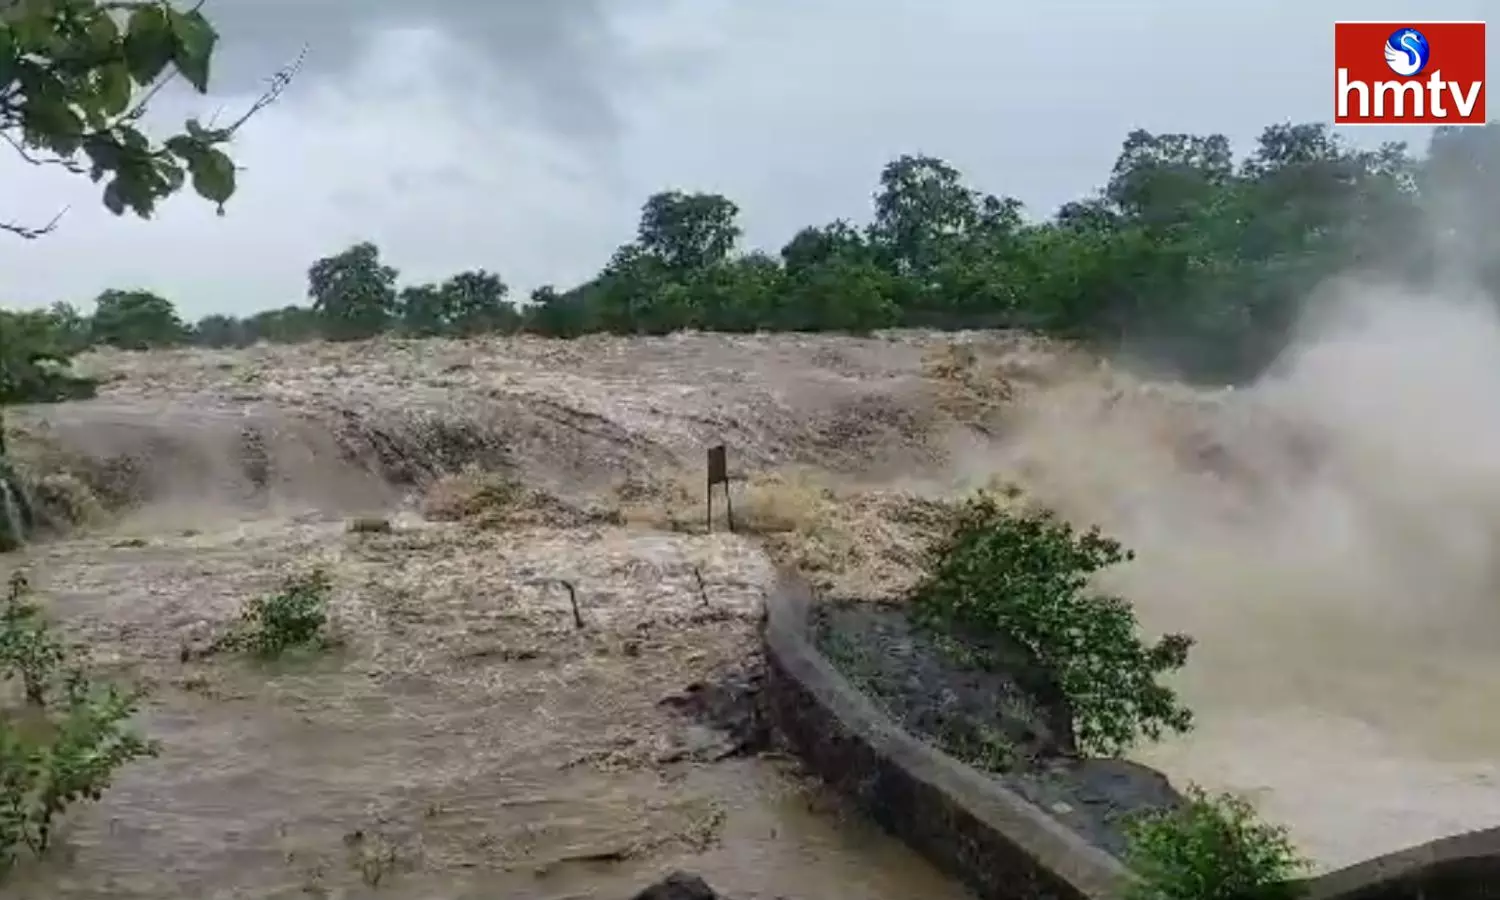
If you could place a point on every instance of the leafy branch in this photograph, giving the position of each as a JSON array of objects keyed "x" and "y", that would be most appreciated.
[
  {"x": 68, "y": 739},
  {"x": 1025, "y": 574},
  {"x": 76, "y": 77}
]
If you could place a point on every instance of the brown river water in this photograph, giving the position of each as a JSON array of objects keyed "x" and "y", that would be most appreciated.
[
  {"x": 467, "y": 741},
  {"x": 1329, "y": 536}
]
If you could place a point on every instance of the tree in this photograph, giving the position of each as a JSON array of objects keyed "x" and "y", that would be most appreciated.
[
  {"x": 288, "y": 325},
  {"x": 474, "y": 303},
  {"x": 1460, "y": 182},
  {"x": 816, "y": 245},
  {"x": 1162, "y": 179},
  {"x": 1185, "y": 256},
  {"x": 219, "y": 330},
  {"x": 467, "y": 304},
  {"x": 34, "y": 361},
  {"x": 353, "y": 294},
  {"x": 688, "y": 231},
  {"x": 75, "y": 76},
  {"x": 423, "y": 310},
  {"x": 632, "y": 295},
  {"x": 921, "y": 208},
  {"x": 842, "y": 293},
  {"x": 70, "y": 327},
  {"x": 739, "y": 295},
  {"x": 556, "y": 314},
  {"x": 136, "y": 320}
]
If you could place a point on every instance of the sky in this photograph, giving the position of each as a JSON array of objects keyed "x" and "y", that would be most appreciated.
[{"x": 521, "y": 136}]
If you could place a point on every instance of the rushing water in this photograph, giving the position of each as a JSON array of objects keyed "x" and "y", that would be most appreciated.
[
  {"x": 1341, "y": 585},
  {"x": 467, "y": 741},
  {"x": 1337, "y": 557}
]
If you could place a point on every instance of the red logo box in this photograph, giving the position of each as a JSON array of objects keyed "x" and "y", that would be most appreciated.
[{"x": 1408, "y": 73}]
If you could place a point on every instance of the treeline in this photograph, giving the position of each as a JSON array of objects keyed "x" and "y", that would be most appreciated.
[{"x": 1186, "y": 254}]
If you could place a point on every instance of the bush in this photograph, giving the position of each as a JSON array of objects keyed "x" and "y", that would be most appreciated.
[
  {"x": 1213, "y": 848},
  {"x": 29, "y": 651},
  {"x": 66, "y": 740},
  {"x": 1025, "y": 574},
  {"x": 295, "y": 616}
]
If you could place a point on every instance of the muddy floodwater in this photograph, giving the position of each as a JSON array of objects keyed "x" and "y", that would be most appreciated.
[
  {"x": 1328, "y": 535},
  {"x": 467, "y": 740}
]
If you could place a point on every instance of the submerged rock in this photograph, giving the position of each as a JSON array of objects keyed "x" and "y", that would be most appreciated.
[
  {"x": 680, "y": 886},
  {"x": 731, "y": 707}
]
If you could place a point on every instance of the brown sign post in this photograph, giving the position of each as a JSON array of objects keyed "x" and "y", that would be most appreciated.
[{"x": 718, "y": 473}]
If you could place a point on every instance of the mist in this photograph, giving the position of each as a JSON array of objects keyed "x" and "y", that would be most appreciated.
[{"x": 1330, "y": 534}]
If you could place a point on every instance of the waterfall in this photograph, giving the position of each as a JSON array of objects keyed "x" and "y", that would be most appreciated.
[{"x": 12, "y": 519}]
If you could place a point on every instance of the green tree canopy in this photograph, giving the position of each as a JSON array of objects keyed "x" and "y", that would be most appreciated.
[
  {"x": 136, "y": 320},
  {"x": 353, "y": 293}
]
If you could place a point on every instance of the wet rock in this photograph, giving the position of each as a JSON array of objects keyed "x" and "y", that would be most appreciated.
[
  {"x": 1010, "y": 704},
  {"x": 1096, "y": 797},
  {"x": 1005, "y": 716},
  {"x": 196, "y": 641},
  {"x": 680, "y": 886},
  {"x": 731, "y": 705},
  {"x": 369, "y": 525}
]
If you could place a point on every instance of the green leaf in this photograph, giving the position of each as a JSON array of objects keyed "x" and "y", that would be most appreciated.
[
  {"x": 184, "y": 146},
  {"x": 103, "y": 35},
  {"x": 115, "y": 88},
  {"x": 140, "y": 187},
  {"x": 103, "y": 153},
  {"x": 34, "y": 25},
  {"x": 171, "y": 174},
  {"x": 7, "y": 54},
  {"x": 149, "y": 43},
  {"x": 193, "y": 39},
  {"x": 213, "y": 175},
  {"x": 132, "y": 139},
  {"x": 52, "y": 122},
  {"x": 115, "y": 195}
]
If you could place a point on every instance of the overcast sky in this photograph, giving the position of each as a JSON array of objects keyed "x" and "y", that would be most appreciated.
[{"x": 522, "y": 135}]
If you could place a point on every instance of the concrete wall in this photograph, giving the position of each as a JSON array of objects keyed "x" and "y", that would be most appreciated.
[
  {"x": 1462, "y": 867},
  {"x": 993, "y": 840},
  {"x": 966, "y": 823}
]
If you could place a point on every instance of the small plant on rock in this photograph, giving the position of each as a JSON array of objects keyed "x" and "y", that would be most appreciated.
[
  {"x": 1024, "y": 573},
  {"x": 296, "y": 616},
  {"x": 65, "y": 742},
  {"x": 1212, "y": 848}
]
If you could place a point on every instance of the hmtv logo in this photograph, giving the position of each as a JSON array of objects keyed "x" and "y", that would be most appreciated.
[{"x": 1391, "y": 73}]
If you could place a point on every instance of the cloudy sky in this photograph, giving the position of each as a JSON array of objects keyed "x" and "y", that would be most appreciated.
[{"x": 522, "y": 135}]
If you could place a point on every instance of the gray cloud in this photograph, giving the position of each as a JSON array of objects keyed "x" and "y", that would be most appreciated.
[
  {"x": 523, "y": 137},
  {"x": 555, "y": 62}
]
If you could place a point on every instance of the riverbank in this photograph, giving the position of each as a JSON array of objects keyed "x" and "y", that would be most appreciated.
[{"x": 1003, "y": 720}]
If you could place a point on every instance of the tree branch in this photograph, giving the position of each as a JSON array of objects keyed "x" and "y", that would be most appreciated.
[
  {"x": 31, "y": 233},
  {"x": 276, "y": 85},
  {"x": 27, "y": 155}
]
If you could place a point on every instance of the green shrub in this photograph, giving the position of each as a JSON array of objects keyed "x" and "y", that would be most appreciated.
[
  {"x": 1213, "y": 848},
  {"x": 29, "y": 650},
  {"x": 1025, "y": 574},
  {"x": 66, "y": 741},
  {"x": 294, "y": 617}
]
